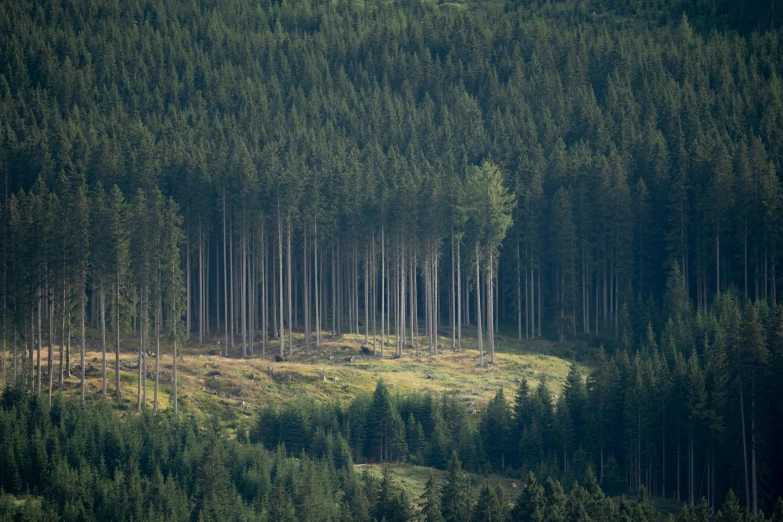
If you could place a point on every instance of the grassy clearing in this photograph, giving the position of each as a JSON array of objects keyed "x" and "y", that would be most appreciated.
[{"x": 234, "y": 388}]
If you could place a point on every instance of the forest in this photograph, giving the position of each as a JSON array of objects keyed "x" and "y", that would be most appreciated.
[{"x": 267, "y": 177}]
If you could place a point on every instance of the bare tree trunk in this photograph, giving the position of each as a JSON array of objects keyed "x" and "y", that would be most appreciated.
[
  {"x": 366, "y": 298},
  {"x": 412, "y": 298},
  {"x": 404, "y": 308},
  {"x": 83, "y": 313},
  {"x": 691, "y": 491},
  {"x": 174, "y": 364},
  {"x": 225, "y": 281},
  {"x": 519, "y": 295},
  {"x": 290, "y": 295},
  {"x": 753, "y": 445},
  {"x": 744, "y": 446},
  {"x": 244, "y": 285},
  {"x": 355, "y": 286},
  {"x": 158, "y": 317},
  {"x": 315, "y": 283},
  {"x": 717, "y": 264},
  {"x": 663, "y": 449},
  {"x": 280, "y": 293},
  {"x": 459, "y": 297},
  {"x": 540, "y": 308},
  {"x": 200, "y": 282},
  {"x": 188, "y": 275},
  {"x": 374, "y": 296},
  {"x": 427, "y": 298},
  {"x": 16, "y": 357},
  {"x": 68, "y": 345},
  {"x": 50, "y": 356},
  {"x": 383, "y": 288},
  {"x": 264, "y": 292},
  {"x": 679, "y": 460},
  {"x": 490, "y": 310},
  {"x": 334, "y": 290},
  {"x": 38, "y": 346},
  {"x": 103, "y": 343},
  {"x": 117, "y": 391},
  {"x": 252, "y": 277},
  {"x": 453, "y": 303},
  {"x": 306, "y": 287},
  {"x": 479, "y": 334},
  {"x": 141, "y": 351},
  {"x": 232, "y": 281},
  {"x": 206, "y": 285}
]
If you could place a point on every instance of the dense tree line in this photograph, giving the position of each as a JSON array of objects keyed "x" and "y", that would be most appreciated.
[
  {"x": 687, "y": 412},
  {"x": 131, "y": 252},
  {"x": 68, "y": 462},
  {"x": 331, "y": 161},
  {"x": 387, "y": 170}
]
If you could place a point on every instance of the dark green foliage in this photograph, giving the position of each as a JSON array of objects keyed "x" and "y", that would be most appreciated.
[
  {"x": 90, "y": 465},
  {"x": 616, "y": 163},
  {"x": 456, "y": 498},
  {"x": 491, "y": 506},
  {"x": 431, "y": 509}
]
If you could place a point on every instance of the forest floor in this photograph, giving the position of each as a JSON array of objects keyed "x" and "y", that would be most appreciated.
[{"x": 233, "y": 388}]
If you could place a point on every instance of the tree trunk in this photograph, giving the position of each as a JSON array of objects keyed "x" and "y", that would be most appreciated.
[
  {"x": 315, "y": 284},
  {"x": 174, "y": 363},
  {"x": 412, "y": 298},
  {"x": 232, "y": 281},
  {"x": 244, "y": 284},
  {"x": 158, "y": 317},
  {"x": 306, "y": 288},
  {"x": 103, "y": 342},
  {"x": 206, "y": 285},
  {"x": 479, "y": 334},
  {"x": 744, "y": 446},
  {"x": 225, "y": 281},
  {"x": 200, "y": 282},
  {"x": 383, "y": 288},
  {"x": 459, "y": 297},
  {"x": 50, "y": 356},
  {"x": 140, "y": 351},
  {"x": 290, "y": 295},
  {"x": 117, "y": 391},
  {"x": 38, "y": 348},
  {"x": 490, "y": 310},
  {"x": 540, "y": 308},
  {"x": 188, "y": 275},
  {"x": 366, "y": 298},
  {"x": 83, "y": 313},
  {"x": 691, "y": 480},
  {"x": 374, "y": 296},
  {"x": 280, "y": 273},
  {"x": 264, "y": 292},
  {"x": 753, "y": 446}
]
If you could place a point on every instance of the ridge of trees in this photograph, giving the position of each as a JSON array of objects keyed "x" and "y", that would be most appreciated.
[
  {"x": 71, "y": 462},
  {"x": 393, "y": 169},
  {"x": 687, "y": 412}
]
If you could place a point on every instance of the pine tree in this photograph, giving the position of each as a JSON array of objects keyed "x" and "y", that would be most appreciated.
[
  {"x": 430, "y": 510},
  {"x": 118, "y": 254},
  {"x": 455, "y": 494},
  {"x": 489, "y": 508},
  {"x": 531, "y": 504},
  {"x": 495, "y": 430}
]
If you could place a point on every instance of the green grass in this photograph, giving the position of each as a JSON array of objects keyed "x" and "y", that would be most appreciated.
[{"x": 233, "y": 388}]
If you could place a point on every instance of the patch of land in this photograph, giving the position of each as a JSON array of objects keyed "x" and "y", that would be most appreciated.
[{"x": 233, "y": 387}]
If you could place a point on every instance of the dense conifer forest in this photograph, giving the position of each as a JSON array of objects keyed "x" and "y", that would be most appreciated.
[{"x": 272, "y": 174}]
